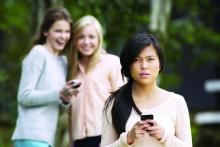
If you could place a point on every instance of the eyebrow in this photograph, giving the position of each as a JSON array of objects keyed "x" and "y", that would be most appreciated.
[{"x": 147, "y": 56}]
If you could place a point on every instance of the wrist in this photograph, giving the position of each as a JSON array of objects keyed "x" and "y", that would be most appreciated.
[
  {"x": 64, "y": 101},
  {"x": 164, "y": 137},
  {"x": 129, "y": 139}
]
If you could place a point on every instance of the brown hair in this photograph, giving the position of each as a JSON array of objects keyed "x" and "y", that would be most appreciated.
[{"x": 51, "y": 16}]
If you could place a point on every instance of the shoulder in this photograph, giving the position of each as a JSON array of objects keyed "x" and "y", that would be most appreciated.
[
  {"x": 178, "y": 99},
  {"x": 36, "y": 55},
  {"x": 63, "y": 59},
  {"x": 37, "y": 51},
  {"x": 110, "y": 58}
]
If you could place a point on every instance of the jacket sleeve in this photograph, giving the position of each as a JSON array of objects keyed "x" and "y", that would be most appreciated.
[
  {"x": 109, "y": 136},
  {"x": 28, "y": 95},
  {"x": 182, "y": 137}
]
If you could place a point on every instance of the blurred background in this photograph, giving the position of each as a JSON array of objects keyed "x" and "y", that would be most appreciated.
[{"x": 189, "y": 31}]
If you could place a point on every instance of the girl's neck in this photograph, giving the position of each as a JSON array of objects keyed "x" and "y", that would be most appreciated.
[
  {"x": 84, "y": 61},
  {"x": 145, "y": 91},
  {"x": 50, "y": 50},
  {"x": 147, "y": 97}
]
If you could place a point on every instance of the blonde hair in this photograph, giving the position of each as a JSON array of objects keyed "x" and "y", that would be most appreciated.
[{"x": 74, "y": 57}]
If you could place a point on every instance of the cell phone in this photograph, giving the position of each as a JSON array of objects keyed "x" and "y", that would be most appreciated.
[
  {"x": 147, "y": 116},
  {"x": 75, "y": 83}
]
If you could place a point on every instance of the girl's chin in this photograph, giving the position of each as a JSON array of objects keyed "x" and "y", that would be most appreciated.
[
  {"x": 86, "y": 54},
  {"x": 60, "y": 48}
]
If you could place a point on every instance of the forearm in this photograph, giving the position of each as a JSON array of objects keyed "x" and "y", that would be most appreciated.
[
  {"x": 120, "y": 142},
  {"x": 36, "y": 98},
  {"x": 173, "y": 141}
]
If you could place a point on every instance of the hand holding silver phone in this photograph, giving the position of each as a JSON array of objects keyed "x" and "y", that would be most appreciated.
[
  {"x": 75, "y": 83},
  {"x": 71, "y": 88}
]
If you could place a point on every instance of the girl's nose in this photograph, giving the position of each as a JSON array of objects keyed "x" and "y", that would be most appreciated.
[
  {"x": 144, "y": 65},
  {"x": 85, "y": 40},
  {"x": 65, "y": 35}
]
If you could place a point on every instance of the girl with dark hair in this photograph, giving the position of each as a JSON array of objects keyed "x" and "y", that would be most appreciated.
[
  {"x": 43, "y": 82},
  {"x": 168, "y": 122}
]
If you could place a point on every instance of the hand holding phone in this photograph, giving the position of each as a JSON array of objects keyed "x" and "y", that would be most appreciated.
[{"x": 75, "y": 84}]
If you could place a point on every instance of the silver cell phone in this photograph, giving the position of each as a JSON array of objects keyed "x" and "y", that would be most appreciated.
[{"x": 75, "y": 83}]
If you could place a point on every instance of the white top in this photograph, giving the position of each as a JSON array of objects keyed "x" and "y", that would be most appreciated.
[
  {"x": 172, "y": 115},
  {"x": 43, "y": 76}
]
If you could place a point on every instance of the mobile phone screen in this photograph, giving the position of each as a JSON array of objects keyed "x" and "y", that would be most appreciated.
[{"x": 147, "y": 116}]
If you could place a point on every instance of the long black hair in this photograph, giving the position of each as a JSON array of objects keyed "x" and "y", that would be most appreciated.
[{"x": 122, "y": 98}]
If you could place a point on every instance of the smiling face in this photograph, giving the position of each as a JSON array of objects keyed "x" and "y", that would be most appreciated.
[
  {"x": 145, "y": 69},
  {"x": 57, "y": 36},
  {"x": 87, "y": 41}
]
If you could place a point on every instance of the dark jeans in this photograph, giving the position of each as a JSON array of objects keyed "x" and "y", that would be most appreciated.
[{"x": 88, "y": 142}]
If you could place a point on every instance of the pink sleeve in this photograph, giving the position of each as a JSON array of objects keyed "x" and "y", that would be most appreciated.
[
  {"x": 182, "y": 137},
  {"x": 109, "y": 136}
]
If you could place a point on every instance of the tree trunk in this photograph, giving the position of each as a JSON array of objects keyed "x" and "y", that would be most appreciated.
[
  {"x": 160, "y": 12},
  {"x": 38, "y": 10}
]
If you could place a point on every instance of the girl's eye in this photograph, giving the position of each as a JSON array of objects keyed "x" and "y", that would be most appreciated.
[
  {"x": 80, "y": 37},
  {"x": 150, "y": 59},
  {"x": 92, "y": 36},
  {"x": 138, "y": 60},
  {"x": 58, "y": 31}
]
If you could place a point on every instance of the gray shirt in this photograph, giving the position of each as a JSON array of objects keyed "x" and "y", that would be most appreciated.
[{"x": 43, "y": 76}]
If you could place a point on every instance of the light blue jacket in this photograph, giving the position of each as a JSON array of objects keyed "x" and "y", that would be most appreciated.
[{"x": 43, "y": 76}]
